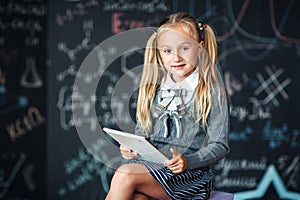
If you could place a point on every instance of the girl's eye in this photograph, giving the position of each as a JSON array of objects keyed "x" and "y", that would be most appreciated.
[
  {"x": 184, "y": 48},
  {"x": 167, "y": 50}
]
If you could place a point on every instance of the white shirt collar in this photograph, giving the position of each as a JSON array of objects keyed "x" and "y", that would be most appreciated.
[{"x": 189, "y": 83}]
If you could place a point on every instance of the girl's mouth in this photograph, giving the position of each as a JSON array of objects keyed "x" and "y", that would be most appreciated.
[{"x": 178, "y": 66}]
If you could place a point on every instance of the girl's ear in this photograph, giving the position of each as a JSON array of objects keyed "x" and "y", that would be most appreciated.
[{"x": 201, "y": 44}]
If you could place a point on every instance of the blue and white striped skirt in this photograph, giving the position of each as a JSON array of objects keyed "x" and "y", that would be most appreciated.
[{"x": 193, "y": 184}]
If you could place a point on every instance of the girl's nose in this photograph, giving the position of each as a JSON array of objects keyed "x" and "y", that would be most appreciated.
[{"x": 177, "y": 56}]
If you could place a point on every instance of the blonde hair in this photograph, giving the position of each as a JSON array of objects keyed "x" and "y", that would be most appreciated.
[{"x": 153, "y": 68}]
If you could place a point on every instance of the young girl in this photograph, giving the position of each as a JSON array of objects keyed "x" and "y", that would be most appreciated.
[{"x": 182, "y": 108}]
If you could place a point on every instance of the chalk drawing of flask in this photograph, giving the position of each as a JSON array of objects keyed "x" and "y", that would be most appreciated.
[{"x": 31, "y": 78}]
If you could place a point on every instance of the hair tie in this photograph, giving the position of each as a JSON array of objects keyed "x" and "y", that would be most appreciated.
[{"x": 202, "y": 26}]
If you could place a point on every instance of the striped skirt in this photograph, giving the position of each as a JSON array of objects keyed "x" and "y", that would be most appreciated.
[{"x": 192, "y": 184}]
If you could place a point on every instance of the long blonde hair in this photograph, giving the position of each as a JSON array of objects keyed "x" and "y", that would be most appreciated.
[{"x": 153, "y": 68}]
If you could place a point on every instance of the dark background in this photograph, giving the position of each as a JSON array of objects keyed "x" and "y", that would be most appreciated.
[{"x": 43, "y": 44}]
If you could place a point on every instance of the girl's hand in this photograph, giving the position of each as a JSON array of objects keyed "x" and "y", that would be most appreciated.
[
  {"x": 178, "y": 163},
  {"x": 128, "y": 153}
]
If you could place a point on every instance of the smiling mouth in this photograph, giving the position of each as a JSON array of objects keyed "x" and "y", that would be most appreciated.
[{"x": 178, "y": 66}]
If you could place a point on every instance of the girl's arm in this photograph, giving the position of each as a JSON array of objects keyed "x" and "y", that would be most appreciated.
[{"x": 216, "y": 144}]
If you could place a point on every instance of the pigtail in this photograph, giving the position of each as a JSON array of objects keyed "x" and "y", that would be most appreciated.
[
  {"x": 149, "y": 84},
  {"x": 210, "y": 44},
  {"x": 208, "y": 74}
]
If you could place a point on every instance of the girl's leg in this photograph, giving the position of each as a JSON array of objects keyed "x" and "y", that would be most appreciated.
[
  {"x": 131, "y": 179},
  {"x": 140, "y": 196}
]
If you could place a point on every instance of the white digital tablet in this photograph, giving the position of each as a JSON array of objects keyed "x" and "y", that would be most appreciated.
[{"x": 139, "y": 144}]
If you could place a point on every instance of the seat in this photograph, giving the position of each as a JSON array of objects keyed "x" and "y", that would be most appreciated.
[{"x": 217, "y": 195}]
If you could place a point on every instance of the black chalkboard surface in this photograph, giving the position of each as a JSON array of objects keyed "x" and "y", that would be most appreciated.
[
  {"x": 258, "y": 55},
  {"x": 23, "y": 115}
]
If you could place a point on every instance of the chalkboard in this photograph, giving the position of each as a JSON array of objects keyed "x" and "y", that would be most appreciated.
[
  {"x": 23, "y": 115},
  {"x": 258, "y": 54},
  {"x": 61, "y": 82}
]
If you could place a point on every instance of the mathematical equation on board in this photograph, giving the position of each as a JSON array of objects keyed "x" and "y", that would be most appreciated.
[
  {"x": 68, "y": 92},
  {"x": 26, "y": 17},
  {"x": 83, "y": 47},
  {"x": 69, "y": 100},
  {"x": 82, "y": 9}
]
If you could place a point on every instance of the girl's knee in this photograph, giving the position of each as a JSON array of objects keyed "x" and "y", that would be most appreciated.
[
  {"x": 127, "y": 175},
  {"x": 139, "y": 196},
  {"x": 121, "y": 177}
]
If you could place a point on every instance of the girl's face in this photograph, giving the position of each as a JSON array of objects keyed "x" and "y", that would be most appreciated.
[{"x": 179, "y": 53}]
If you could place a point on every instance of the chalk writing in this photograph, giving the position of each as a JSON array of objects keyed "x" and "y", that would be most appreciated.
[
  {"x": 106, "y": 104},
  {"x": 32, "y": 39},
  {"x": 235, "y": 182},
  {"x": 88, "y": 26},
  {"x": 241, "y": 135},
  {"x": 255, "y": 112},
  {"x": 8, "y": 172},
  {"x": 292, "y": 172},
  {"x": 86, "y": 167},
  {"x": 21, "y": 25},
  {"x": 36, "y": 9},
  {"x": 32, "y": 119},
  {"x": 24, "y": 16},
  {"x": 258, "y": 111},
  {"x": 233, "y": 84},
  {"x": 282, "y": 161},
  {"x": 276, "y": 136},
  {"x": 65, "y": 106},
  {"x": 227, "y": 165},
  {"x": 30, "y": 77},
  {"x": 147, "y": 6},
  {"x": 290, "y": 169},
  {"x": 120, "y": 23},
  {"x": 80, "y": 9},
  {"x": 84, "y": 45}
]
